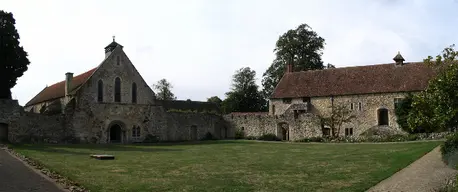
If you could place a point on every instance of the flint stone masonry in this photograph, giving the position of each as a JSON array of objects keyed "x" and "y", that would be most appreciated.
[
  {"x": 305, "y": 125},
  {"x": 179, "y": 126},
  {"x": 365, "y": 109},
  {"x": 30, "y": 127}
]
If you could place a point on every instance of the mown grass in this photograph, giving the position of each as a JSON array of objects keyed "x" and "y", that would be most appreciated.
[{"x": 229, "y": 165}]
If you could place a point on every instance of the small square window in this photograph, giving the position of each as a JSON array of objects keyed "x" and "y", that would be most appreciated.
[
  {"x": 287, "y": 100},
  {"x": 306, "y": 99}
]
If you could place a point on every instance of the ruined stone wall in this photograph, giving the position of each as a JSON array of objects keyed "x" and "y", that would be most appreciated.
[
  {"x": 305, "y": 125},
  {"x": 30, "y": 127},
  {"x": 180, "y": 126}
]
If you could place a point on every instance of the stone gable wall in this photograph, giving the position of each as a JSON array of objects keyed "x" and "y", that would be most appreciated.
[{"x": 126, "y": 71}]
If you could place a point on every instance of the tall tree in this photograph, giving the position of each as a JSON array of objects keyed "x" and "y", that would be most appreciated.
[
  {"x": 13, "y": 58},
  {"x": 163, "y": 90},
  {"x": 244, "y": 95},
  {"x": 436, "y": 108},
  {"x": 215, "y": 99},
  {"x": 301, "y": 46}
]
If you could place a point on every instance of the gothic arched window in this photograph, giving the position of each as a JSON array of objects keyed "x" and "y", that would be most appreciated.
[
  {"x": 117, "y": 91},
  {"x": 100, "y": 91},
  {"x": 134, "y": 92}
]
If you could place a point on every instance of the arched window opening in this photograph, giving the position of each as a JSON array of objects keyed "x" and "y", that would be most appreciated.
[
  {"x": 117, "y": 92},
  {"x": 134, "y": 93},
  {"x": 136, "y": 132},
  {"x": 100, "y": 91}
]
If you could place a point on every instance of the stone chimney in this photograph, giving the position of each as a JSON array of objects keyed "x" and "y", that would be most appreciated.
[
  {"x": 399, "y": 59},
  {"x": 68, "y": 82}
]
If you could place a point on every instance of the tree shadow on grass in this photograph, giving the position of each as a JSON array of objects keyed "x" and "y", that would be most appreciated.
[{"x": 83, "y": 149}]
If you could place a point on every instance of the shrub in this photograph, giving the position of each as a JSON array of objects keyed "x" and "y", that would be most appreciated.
[
  {"x": 239, "y": 134},
  {"x": 151, "y": 139},
  {"x": 269, "y": 137},
  {"x": 413, "y": 137},
  {"x": 251, "y": 138},
  {"x": 208, "y": 136},
  {"x": 450, "y": 145}
]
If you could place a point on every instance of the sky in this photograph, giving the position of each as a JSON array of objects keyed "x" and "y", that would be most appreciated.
[{"x": 198, "y": 45}]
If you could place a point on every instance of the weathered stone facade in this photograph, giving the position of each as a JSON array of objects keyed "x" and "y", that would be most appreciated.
[
  {"x": 369, "y": 92},
  {"x": 31, "y": 127},
  {"x": 304, "y": 122},
  {"x": 111, "y": 103},
  {"x": 285, "y": 126}
]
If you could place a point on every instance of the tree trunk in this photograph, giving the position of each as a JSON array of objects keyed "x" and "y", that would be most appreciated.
[{"x": 5, "y": 93}]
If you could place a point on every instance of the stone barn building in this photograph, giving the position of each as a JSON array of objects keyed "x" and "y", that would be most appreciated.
[
  {"x": 370, "y": 92},
  {"x": 110, "y": 103}
]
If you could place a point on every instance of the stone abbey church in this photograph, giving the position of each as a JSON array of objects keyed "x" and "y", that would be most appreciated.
[{"x": 112, "y": 103}]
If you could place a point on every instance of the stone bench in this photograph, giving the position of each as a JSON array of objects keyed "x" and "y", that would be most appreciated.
[{"x": 103, "y": 157}]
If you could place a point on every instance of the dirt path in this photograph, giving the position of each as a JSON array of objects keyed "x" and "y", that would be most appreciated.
[
  {"x": 15, "y": 176},
  {"x": 428, "y": 173}
]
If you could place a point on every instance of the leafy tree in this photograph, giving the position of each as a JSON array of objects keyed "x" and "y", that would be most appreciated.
[
  {"x": 244, "y": 95},
  {"x": 215, "y": 99},
  {"x": 163, "y": 90},
  {"x": 436, "y": 108},
  {"x": 402, "y": 111},
  {"x": 339, "y": 114},
  {"x": 301, "y": 46},
  {"x": 13, "y": 58}
]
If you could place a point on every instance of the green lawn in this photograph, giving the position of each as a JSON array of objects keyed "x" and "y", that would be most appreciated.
[{"x": 229, "y": 165}]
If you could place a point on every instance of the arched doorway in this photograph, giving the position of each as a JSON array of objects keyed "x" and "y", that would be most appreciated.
[
  {"x": 382, "y": 115},
  {"x": 115, "y": 134},
  {"x": 193, "y": 133},
  {"x": 3, "y": 133},
  {"x": 283, "y": 131},
  {"x": 223, "y": 132}
]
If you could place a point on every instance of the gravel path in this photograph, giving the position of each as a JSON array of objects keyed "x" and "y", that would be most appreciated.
[
  {"x": 15, "y": 176},
  {"x": 428, "y": 173}
]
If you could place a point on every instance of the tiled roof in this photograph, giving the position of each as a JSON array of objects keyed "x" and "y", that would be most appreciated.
[
  {"x": 58, "y": 90},
  {"x": 381, "y": 78}
]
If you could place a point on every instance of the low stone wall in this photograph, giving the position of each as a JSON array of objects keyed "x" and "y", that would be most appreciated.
[
  {"x": 30, "y": 127},
  {"x": 37, "y": 128},
  {"x": 194, "y": 126},
  {"x": 253, "y": 124}
]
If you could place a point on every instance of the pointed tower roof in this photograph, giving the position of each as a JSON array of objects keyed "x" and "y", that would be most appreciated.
[
  {"x": 112, "y": 46},
  {"x": 398, "y": 58}
]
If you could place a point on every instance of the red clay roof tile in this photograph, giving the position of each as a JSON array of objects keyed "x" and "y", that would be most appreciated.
[
  {"x": 381, "y": 78},
  {"x": 58, "y": 90}
]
